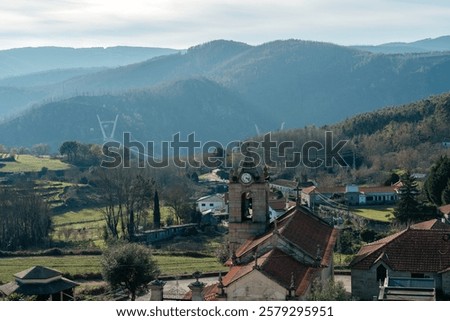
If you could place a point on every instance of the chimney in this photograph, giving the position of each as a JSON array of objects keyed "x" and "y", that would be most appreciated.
[
  {"x": 221, "y": 296},
  {"x": 197, "y": 287},
  {"x": 156, "y": 290}
]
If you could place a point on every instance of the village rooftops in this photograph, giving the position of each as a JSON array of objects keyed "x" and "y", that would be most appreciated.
[
  {"x": 309, "y": 233},
  {"x": 423, "y": 247}
]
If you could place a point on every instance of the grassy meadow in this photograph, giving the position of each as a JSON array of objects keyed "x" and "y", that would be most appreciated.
[
  {"x": 376, "y": 213},
  {"x": 30, "y": 163},
  {"x": 85, "y": 226},
  {"x": 84, "y": 264}
]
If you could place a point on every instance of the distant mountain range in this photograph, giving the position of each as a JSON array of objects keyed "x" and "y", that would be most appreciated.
[
  {"x": 424, "y": 45},
  {"x": 220, "y": 90},
  {"x": 21, "y": 61}
]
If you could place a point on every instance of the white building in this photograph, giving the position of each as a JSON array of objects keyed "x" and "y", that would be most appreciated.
[{"x": 211, "y": 202}]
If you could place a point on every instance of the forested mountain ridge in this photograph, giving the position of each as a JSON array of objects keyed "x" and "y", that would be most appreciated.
[
  {"x": 407, "y": 137},
  {"x": 197, "y": 106},
  {"x": 295, "y": 82},
  {"x": 323, "y": 82},
  {"x": 429, "y": 116}
]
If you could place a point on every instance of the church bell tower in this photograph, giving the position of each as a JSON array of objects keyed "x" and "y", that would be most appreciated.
[{"x": 248, "y": 203}]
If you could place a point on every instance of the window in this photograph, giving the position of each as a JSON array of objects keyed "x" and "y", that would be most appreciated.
[
  {"x": 418, "y": 275},
  {"x": 381, "y": 273},
  {"x": 203, "y": 204},
  {"x": 246, "y": 206},
  {"x": 211, "y": 204}
]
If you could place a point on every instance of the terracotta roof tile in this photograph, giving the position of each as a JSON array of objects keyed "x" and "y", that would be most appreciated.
[
  {"x": 412, "y": 250},
  {"x": 308, "y": 190},
  {"x": 210, "y": 292},
  {"x": 278, "y": 266},
  {"x": 431, "y": 225},
  {"x": 236, "y": 272},
  {"x": 279, "y": 204},
  {"x": 302, "y": 228},
  {"x": 445, "y": 209},
  {"x": 309, "y": 233}
]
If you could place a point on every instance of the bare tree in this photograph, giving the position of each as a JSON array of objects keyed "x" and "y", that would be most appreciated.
[
  {"x": 177, "y": 196},
  {"x": 24, "y": 219},
  {"x": 127, "y": 194}
]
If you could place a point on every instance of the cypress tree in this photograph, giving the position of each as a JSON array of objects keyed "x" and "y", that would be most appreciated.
[
  {"x": 156, "y": 212},
  {"x": 408, "y": 209}
]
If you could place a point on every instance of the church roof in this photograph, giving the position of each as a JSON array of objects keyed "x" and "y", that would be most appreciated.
[
  {"x": 423, "y": 247},
  {"x": 278, "y": 266},
  {"x": 307, "y": 232}
]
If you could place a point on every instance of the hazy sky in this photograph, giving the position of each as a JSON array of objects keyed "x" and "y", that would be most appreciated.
[{"x": 183, "y": 23}]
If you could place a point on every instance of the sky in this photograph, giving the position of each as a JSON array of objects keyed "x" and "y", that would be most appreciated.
[{"x": 181, "y": 24}]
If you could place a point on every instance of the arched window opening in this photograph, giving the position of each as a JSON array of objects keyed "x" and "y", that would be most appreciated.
[
  {"x": 246, "y": 206},
  {"x": 381, "y": 273}
]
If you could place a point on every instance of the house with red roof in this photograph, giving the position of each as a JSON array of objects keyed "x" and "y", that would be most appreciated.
[{"x": 420, "y": 251}]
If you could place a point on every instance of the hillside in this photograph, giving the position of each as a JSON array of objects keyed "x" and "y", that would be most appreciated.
[
  {"x": 195, "y": 105},
  {"x": 294, "y": 82},
  {"x": 410, "y": 137},
  {"x": 20, "y": 92},
  {"x": 288, "y": 79}
]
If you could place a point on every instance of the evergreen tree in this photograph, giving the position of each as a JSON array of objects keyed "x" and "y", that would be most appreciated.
[
  {"x": 408, "y": 208},
  {"x": 446, "y": 194},
  {"x": 156, "y": 212},
  {"x": 437, "y": 181}
]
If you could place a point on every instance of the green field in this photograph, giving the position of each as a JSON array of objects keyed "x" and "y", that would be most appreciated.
[
  {"x": 86, "y": 225},
  {"x": 29, "y": 163},
  {"x": 376, "y": 213},
  {"x": 82, "y": 264},
  {"x": 67, "y": 264},
  {"x": 52, "y": 191}
]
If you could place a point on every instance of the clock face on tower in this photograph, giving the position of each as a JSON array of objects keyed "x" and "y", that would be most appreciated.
[{"x": 246, "y": 178}]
